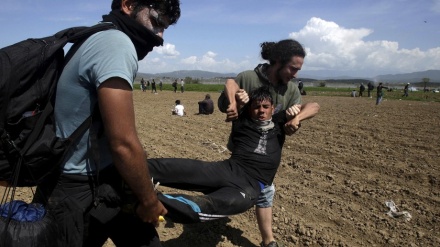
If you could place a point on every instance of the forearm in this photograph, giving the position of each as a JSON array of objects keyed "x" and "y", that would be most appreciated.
[
  {"x": 231, "y": 88},
  {"x": 308, "y": 110},
  {"x": 131, "y": 162},
  {"x": 117, "y": 112}
]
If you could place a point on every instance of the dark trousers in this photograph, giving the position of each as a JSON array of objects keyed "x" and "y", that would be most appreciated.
[
  {"x": 71, "y": 202},
  {"x": 226, "y": 189},
  {"x": 202, "y": 108}
]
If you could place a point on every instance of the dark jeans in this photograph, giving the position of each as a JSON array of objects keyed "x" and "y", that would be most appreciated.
[
  {"x": 202, "y": 108},
  {"x": 226, "y": 188},
  {"x": 71, "y": 201},
  {"x": 206, "y": 107}
]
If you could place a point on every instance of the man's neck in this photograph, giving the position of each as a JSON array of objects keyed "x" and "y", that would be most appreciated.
[
  {"x": 264, "y": 125},
  {"x": 272, "y": 76}
]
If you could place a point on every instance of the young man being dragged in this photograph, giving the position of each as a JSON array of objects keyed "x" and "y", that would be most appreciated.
[{"x": 230, "y": 186}]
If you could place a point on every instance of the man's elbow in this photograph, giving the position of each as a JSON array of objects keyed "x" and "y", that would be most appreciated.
[
  {"x": 230, "y": 81},
  {"x": 312, "y": 108},
  {"x": 315, "y": 108}
]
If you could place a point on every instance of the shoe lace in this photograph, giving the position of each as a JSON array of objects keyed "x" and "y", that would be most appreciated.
[{"x": 155, "y": 186}]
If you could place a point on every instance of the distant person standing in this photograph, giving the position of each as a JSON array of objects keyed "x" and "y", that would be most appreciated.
[
  {"x": 179, "y": 109},
  {"x": 175, "y": 85},
  {"x": 153, "y": 86},
  {"x": 370, "y": 88},
  {"x": 300, "y": 87},
  {"x": 206, "y": 106},
  {"x": 380, "y": 93},
  {"x": 361, "y": 89},
  {"x": 160, "y": 84},
  {"x": 182, "y": 86},
  {"x": 148, "y": 85},
  {"x": 143, "y": 86},
  {"x": 405, "y": 90}
]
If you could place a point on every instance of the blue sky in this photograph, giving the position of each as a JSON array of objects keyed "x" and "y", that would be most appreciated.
[{"x": 342, "y": 37}]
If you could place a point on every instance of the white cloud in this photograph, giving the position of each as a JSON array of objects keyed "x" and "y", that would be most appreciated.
[
  {"x": 167, "y": 50},
  {"x": 189, "y": 60},
  {"x": 152, "y": 65},
  {"x": 210, "y": 54},
  {"x": 332, "y": 47},
  {"x": 208, "y": 62}
]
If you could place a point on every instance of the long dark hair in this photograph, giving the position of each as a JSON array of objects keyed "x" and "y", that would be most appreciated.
[{"x": 281, "y": 51}]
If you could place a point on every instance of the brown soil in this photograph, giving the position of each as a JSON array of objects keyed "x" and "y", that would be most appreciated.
[{"x": 335, "y": 176}]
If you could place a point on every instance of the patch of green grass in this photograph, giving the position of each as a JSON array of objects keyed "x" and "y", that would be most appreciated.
[
  {"x": 190, "y": 87},
  {"x": 393, "y": 95},
  {"x": 203, "y": 87},
  {"x": 417, "y": 96},
  {"x": 316, "y": 91},
  {"x": 328, "y": 89}
]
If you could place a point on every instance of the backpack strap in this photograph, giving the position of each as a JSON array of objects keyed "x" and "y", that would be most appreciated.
[
  {"x": 79, "y": 38},
  {"x": 5, "y": 68}
]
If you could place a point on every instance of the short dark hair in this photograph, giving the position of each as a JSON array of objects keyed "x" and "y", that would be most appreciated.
[
  {"x": 281, "y": 51},
  {"x": 169, "y": 8},
  {"x": 178, "y": 102},
  {"x": 261, "y": 94}
]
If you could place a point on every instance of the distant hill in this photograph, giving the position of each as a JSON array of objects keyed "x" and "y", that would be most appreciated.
[
  {"x": 433, "y": 75},
  {"x": 188, "y": 73}
]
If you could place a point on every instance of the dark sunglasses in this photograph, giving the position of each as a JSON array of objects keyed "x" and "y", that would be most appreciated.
[{"x": 158, "y": 19}]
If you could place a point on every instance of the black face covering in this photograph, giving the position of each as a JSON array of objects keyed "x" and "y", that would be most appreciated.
[{"x": 143, "y": 39}]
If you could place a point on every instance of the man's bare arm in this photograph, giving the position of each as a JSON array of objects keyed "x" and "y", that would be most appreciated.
[
  {"x": 308, "y": 111},
  {"x": 231, "y": 88},
  {"x": 117, "y": 111}
]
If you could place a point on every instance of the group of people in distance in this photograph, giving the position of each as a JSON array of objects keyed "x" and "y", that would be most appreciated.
[
  {"x": 182, "y": 85},
  {"x": 107, "y": 192},
  {"x": 379, "y": 91},
  {"x": 145, "y": 85},
  {"x": 206, "y": 107}
]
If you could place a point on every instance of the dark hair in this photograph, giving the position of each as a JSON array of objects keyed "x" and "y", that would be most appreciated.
[
  {"x": 169, "y": 8},
  {"x": 178, "y": 102},
  {"x": 281, "y": 51},
  {"x": 261, "y": 94},
  {"x": 207, "y": 96}
]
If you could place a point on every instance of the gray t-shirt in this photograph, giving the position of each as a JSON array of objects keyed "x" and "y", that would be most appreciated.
[{"x": 104, "y": 55}]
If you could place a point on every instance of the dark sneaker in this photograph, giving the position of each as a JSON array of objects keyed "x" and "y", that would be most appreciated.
[{"x": 272, "y": 244}]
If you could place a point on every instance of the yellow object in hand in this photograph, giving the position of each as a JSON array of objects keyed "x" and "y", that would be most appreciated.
[{"x": 161, "y": 218}]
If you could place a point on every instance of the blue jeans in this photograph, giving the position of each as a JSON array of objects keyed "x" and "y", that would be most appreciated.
[
  {"x": 378, "y": 100},
  {"x": 265, "y": 199}
]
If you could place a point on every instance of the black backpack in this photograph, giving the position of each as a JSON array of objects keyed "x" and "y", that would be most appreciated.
[{"x": 29, "y": 72}]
